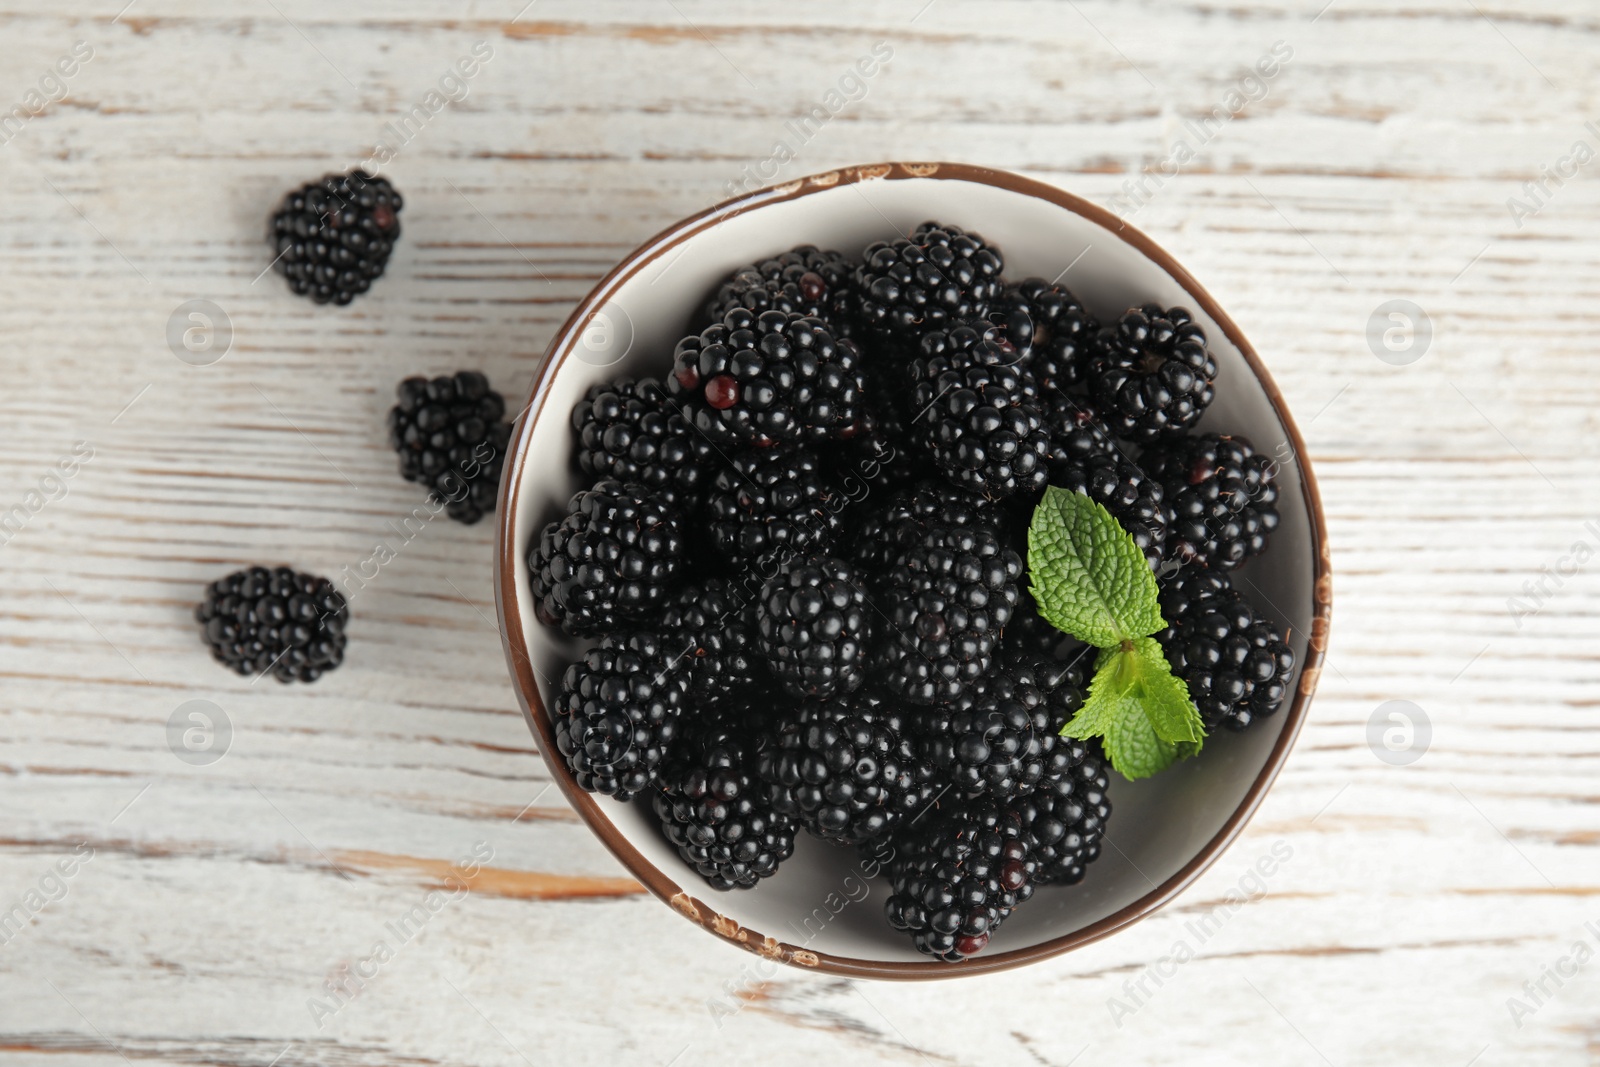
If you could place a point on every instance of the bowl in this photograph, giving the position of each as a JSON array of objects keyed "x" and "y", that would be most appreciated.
[{"x": 823, "y": 910}]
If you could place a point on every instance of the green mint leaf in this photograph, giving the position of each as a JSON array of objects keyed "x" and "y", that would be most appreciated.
[
  {"x": 1140, "y": 709},
  {"x": 1086, "y": 573}
]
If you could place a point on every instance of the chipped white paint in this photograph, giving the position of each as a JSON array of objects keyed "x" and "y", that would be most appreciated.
[{"x": 221, "y": 899}]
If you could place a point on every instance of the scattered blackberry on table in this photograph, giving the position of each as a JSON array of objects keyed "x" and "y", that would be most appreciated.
[
  {"x": 938, "y": 274},
  {"x": 617, "y": 713},
  {"x": 712, "y": 807},
  {"x": 1064, "y": 820},
  {"x": 1133, "y": 498},
  {"x": 333, "y": 237},
  {"x": 710, "y": 626},
  {"x": 1055, "y": 340},
  {"x": 977, "y": 413},
  {"x": 773, "y": 504},
  {"x": 841, "y": 768},
  {"x": 803, "y": 281},
  {"x": 815, "y": 625},
  {"x": 1151, "y": 374},
  {"x": 631, "y": 431},
  {"x": 1236, "y": 664},
  {"x": 957, "y": 874},
  {"x": 946, "y": 601},
  {"x": 1219, "y": 497},
  {"x": 769, "y": 378},
  {"x": 451, "y": 435},
  {"x": 274, "y": 619},
  {"x": 612, "y": 559}
]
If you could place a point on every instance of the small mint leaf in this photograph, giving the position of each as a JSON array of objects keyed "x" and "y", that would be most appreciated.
[
  {"x": 1086, "y": 573},
  {"x": 1140, "y": 709}
]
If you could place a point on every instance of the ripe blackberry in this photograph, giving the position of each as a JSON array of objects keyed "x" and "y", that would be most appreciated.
[
  {"x": 957, "y": 874},
  {"x": 712, "y": 807},
  {"x": 451, "y": 435},
  {"x": 815, "y": 626},
  {"x": 1075, "y": 429},
  {"x": 772, "y": 378},
  {"x": 946, "y": 600},
  {"x": 842, "y": 769},
  {"x": 711, "y": 627},
  {"x": 1132, "y": 497},
  {"x": 1065, "y": 818},
  {"x": 333, "y": 237},
  {"x": 804, "y": 281},
  {"x": 1002, "y": 736},
  {"x": 938, "y": 274},
  {"x": 617, "y": 713},
  {"x": 773, "y": 504},
  {"x": 631, "y": 431},
  {"x": 1151, "y": 374},
  {"x": 1237, "y": 665},
  {"x": 977, "y": 413},
  {"x": 1219, "y": 497},
  {"x": 882, "y": 532},
  {"x": 277, "y": 620},
  {"x": 611, "y": 560},
  {"x": 1052, "y": 331}
]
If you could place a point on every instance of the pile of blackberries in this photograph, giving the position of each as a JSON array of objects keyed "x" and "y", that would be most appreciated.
[{"x": 802, "y": 550}]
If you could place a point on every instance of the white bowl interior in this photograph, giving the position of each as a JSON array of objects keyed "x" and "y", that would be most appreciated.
[{"x": 819, "y": 900}]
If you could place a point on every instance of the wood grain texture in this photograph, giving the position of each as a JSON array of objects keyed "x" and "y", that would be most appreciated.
[{"x": 221, "y": 900}]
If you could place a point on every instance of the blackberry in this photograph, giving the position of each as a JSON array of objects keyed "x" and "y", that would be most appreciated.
[
  {"x": 631, "y": 431},
  {"x": 1151, "y": 374},
  {"x": 714, "y": 810},
  {"x": 884, "y": 531},
  {"x": 1065, "y": 818},
  {"x": 1133, "y": 498},
  {"x": 1002, "y": 736},
  {"x": 957, "y": 874},
  {"x": 1028, "y": 633},
  {"x": 1075, "y": 429},
  {"x": 815, "y": 626},
  {"x": 1219, "y": 496},
  {"x": 1052, "y": 331},
  {"x": 946, "y": 601},
  {"x": 1237, "y": 664},
  {"x": 977, "y": 413},
  {"x": 772, "y": 378},
  {"x": 279, "y": 620},
  {"x": 332, "y": 238},
  {"x": 617, "y": 713},
  {"x": 451, "y": 435},
  {"x": 939, "y": 274},
  {"x": 711, "y": 626},
  {"x": 842, "y": 769},
  {"x": 804, "y": 281},
  {"x": 771, "y": 504},
  {"x": 611, "y": 560}
]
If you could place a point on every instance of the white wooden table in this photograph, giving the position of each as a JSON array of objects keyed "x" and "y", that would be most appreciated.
[{"x": 208, "y": 905}]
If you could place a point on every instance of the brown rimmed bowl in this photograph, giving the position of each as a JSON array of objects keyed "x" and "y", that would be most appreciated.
[{"x": 823, "y": 910}]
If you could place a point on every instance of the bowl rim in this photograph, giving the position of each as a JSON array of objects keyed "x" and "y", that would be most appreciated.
[{"x": 512, "y": 624}]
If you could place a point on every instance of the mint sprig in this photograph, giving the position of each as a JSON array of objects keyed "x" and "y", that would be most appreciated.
[{"x": 1090, "y": 580}]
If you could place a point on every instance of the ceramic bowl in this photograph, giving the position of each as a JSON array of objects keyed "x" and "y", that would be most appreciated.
[{"x": 822, "y": 910}]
